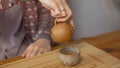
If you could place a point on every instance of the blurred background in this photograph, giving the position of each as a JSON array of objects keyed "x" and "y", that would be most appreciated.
[{"x": 94, "y": 17}]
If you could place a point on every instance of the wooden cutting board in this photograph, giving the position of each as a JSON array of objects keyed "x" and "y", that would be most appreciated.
[{"x": 91, "y": 57}]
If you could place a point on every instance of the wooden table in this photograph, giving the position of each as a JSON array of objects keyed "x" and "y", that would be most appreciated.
[
  {"x": 109, "y": 42},
  {"x": 92, "y": 57}
]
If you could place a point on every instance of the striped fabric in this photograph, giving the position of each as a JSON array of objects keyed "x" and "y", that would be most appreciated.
[{"x": 38, "y": 20}]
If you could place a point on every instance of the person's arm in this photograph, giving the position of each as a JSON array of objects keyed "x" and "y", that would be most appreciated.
[
  {"x": 42, "y": 37},
  {"x": 46, "y": 22}
]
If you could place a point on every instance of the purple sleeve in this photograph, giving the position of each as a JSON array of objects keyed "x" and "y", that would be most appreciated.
[
  {"x": 45, "y": 23},
  {"x": 38, "y": 21}
]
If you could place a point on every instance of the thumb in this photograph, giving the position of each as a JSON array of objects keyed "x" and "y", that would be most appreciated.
[{"x": 72, "y": 23}]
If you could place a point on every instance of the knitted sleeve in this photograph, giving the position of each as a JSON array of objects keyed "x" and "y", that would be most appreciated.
[{"x": 38, "y": 21}]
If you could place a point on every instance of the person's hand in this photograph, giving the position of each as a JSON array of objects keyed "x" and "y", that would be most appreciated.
[
  {"x": 39, "y": 47},
  {"x": 65, "y": 11},
  {"x": 59, "y": 9},
  {"x": 51, "y": 5}
]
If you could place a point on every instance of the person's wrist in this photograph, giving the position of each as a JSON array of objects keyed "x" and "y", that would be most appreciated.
[{"x": 43, "y": 40}]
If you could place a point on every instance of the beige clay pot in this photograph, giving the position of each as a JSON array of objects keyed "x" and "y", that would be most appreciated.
[{"x": 61, "y": 32}]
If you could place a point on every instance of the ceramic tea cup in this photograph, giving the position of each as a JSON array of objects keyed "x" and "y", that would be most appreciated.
[{"x": 70, "y": 56}]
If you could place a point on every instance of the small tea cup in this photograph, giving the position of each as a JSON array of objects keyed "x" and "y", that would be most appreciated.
[{"x": 70, "y": 56}]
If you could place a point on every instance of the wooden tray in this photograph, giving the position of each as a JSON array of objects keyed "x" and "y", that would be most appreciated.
[{"x": 92, "y": 57}]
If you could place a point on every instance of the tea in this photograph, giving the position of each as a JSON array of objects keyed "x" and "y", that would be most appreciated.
[{"x": 69, "y": 52}]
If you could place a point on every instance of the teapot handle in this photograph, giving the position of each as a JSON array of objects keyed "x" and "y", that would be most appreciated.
[{"x": 55, "y": 22}]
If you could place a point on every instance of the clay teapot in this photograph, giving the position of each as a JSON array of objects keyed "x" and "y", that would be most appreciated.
[{"x": 61, "y": 32}]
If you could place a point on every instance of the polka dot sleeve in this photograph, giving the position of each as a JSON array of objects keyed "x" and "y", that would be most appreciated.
[{"x": 38, "y": 21}]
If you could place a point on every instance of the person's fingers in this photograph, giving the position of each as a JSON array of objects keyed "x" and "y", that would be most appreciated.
[
  {"x": 72, "y": 23},
  {"x": 40, "y": 51},
  {"x": 35, "y": 51},
  {"x": 68, "y": 12},
  {"x": 45, "y": 50},
  {"x": 61, "y": 8},
  {"x": 53, "y": 13},
  {"x": 51, "y": 5},
  {"x": 29, "y": 52},
  {"x": 24, "y": 53},
  {"x": 56, "y": 10}
]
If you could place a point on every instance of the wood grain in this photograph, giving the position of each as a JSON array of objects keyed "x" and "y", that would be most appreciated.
[
  {"x": 109, "y": 42},
  {"x": 92, "y": 57}
]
